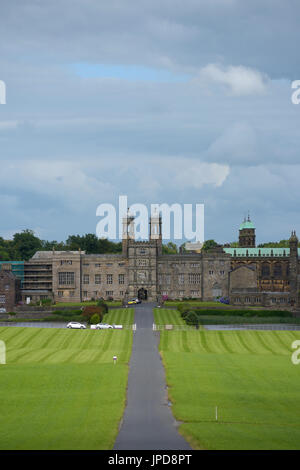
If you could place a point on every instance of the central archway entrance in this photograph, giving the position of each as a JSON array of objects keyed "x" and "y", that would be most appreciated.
[{"x": 142, "y": 294}]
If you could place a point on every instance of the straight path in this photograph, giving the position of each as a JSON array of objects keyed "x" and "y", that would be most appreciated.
[{"x": 148, "y": 423}]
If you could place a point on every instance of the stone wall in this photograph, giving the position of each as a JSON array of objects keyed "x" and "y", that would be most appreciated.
[
  {"x": 9, "y": 289},
  {"x": 215, "y": 268}
]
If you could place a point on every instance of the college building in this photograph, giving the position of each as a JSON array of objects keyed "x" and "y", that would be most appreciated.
[{"x": 246, "y": 274}]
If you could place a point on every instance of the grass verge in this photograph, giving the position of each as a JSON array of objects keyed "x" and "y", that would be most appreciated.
[
  {"x": 247, "y": 374},
  {"x": 60, "y": 389}
]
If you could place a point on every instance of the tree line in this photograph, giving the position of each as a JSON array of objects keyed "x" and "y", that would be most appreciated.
[{"x": 25, "y": 244}]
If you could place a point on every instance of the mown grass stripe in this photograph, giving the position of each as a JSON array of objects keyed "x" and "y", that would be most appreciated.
[
  {"x": 243, "y": 341},
  {"x": 222, "y": 336},
  {"x": 185, "y": 345},
  {"x": 204, "y": 342},
  {"x": 15, "y": 332},
  {"x": 264, "y": 343}
]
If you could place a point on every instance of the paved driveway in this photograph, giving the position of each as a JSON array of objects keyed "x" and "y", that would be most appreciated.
[{"x": 148, "y": 422}]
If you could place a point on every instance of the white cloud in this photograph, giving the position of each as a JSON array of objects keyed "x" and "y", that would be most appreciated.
[
  {"x": 237, "y": 144},
  {"x": 238, "y": 80},
  {"x": 63, "y": 180},
  {"x": 192, "y": 174}
]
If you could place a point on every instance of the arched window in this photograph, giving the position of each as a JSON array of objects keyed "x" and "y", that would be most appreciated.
[
  {"x": 265, "y": 270},
  {"x": 278, "y": 270}
]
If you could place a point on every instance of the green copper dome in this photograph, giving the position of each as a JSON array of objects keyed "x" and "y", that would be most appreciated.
[{"x": 246, "y": 224}]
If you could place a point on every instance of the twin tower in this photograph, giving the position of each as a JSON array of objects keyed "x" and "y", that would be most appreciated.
[{"x": 128, "y": 232}]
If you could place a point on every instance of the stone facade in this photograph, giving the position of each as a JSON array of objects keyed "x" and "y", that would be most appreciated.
[
  {"x": 141, "y": 270},
  {"x": 9, "y": 288},
  {"x": 245, "y": 275}
]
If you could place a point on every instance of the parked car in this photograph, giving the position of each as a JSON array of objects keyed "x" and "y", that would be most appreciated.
[
  {"x": 75, "y": 324},
  {"x": 118, "y": 327},
  {"x": 101, "y": 326},
  {"x": 134, "y": 301},
  {"x": 2, "y": 310}
]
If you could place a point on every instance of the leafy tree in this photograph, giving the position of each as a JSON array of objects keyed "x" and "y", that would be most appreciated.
[
  {"x": 26, "y": 244},
  {"x": 280, "y": 244},
  {"x": 170, "y": 249},
  {"x": 209, "y": 244}
]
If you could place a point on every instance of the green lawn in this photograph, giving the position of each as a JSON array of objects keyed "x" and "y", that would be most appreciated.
[
  {"x": 165, "y": 316},
  {"x": 247, "y": 374},
  {"x": 120, "y": 316},
  {"x": 60, "y": 388}
]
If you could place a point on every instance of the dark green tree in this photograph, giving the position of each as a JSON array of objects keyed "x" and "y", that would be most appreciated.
[
  {"x": 170, "y": 248},
  {"x": 26, "y": 244},
  {"x": 209, "y": 244}
]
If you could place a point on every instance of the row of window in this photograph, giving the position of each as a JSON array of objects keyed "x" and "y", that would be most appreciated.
[
  {"x": 182, "y": 293},
  {"x": 274, "y": 300},
  {"x": 193, "y": 278},
  {"x": 108, "y": 293},
  {"x": 97, "y": 265},
  {"x": 68, "y": 278},
  {"x": 277, "y": 271},
  {"x": 180, "y": 265},
  {"x": 98, "y": 279}
]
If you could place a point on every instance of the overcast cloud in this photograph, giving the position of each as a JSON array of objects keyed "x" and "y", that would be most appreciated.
[{"x": 165, "y": 101}]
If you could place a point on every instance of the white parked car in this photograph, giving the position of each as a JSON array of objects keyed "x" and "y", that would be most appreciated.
[
  {"x": 75, "y": 324},
  {"x": 118, "y": 327},
  {"x": 101, "y": 326},
  {"x": 2, "y": 310}
]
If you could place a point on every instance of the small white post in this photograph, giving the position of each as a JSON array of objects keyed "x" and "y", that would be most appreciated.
[
  {"x": 115, "y": 359},
  {"x": 216, "y": 413}
]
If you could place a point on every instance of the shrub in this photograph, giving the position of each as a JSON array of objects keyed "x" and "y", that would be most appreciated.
[
  {"x": 192, "y": 318},
  {"x": 91, "y": 310},
  {"x": 101, "y": 303},
  {"x": 67, "y": 313},
  {"x": 46, "y": 302},
  {"x": 11, "y": 313},
  {"x": 182, "y": 308},
  {"x": 184, "y": 314},
  {"x": 244, "y": 313},
  {"x": 94, "y": 319},
  {"x": 224, "y": 300}
]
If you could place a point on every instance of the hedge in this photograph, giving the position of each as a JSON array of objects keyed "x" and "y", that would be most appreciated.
[{"x": 244, "y": 313}]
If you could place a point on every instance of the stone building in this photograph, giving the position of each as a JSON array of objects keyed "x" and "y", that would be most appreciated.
[
  {"x": 246, "y": 274},
  {"x": 10, "y": 292}
]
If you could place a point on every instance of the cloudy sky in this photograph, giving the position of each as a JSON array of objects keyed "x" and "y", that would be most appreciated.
[{"x": 161, "y": 100}]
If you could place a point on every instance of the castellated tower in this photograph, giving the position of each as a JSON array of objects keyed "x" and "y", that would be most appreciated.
[
  {"x": 247, "y": 234},
  {"x": 127, "y": 232},
  {"x": 156, "y": 231},
  {"x": 293, "y": 264}
]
